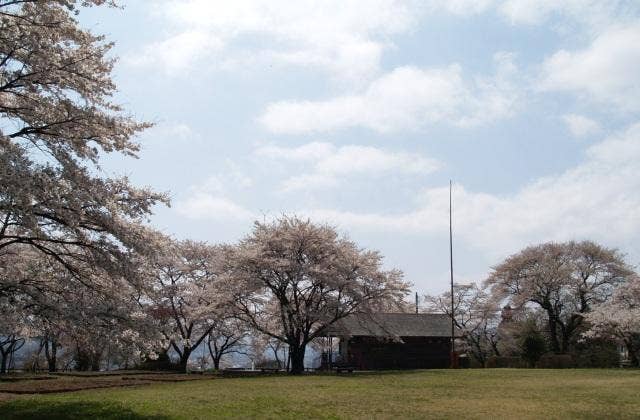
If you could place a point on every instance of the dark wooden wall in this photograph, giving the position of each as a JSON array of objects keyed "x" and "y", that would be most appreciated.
[{"x": 413, "y": 353}]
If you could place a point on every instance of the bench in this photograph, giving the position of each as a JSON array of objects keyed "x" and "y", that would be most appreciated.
[
  {"x": 340, "y": 369},
  {"x": 270, "y": 370}
]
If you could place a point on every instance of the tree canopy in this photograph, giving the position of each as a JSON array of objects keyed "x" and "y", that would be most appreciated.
[
  {"x": 565, "y": 280},
  {"x": 56, "y": 119},
  {"x": 292, "y": 278}
]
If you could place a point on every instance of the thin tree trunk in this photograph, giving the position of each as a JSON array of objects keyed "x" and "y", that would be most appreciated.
[{"x": 275, "y": 354}]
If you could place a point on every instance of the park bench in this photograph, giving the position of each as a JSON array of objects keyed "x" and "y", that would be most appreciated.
[
  {"x": 269, "y": 370},
  {"x": 344, "y": 368}
]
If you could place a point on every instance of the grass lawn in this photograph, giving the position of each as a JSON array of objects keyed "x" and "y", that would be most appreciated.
[{"x": 490, "y": 393}]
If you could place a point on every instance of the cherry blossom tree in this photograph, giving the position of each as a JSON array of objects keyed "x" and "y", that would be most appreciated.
[
  {"x": 565, "y": 280},
  {"x": 475, "y": 313},
  {"x": 226, "y": 337},
  {"x": 12, "y": 332},
  {"x": 619, "y": 319},
  {"x": 56, "y": 119},
  {"x": 291, "y": 279},
  {"x": 83, "y": 314},
  {"x": 187, "y": 298}
]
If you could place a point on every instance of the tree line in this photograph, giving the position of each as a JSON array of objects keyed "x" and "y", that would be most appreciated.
[{"x": 574, "y": 298}]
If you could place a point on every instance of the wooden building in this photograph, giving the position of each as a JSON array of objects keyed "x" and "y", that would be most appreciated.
[{"x": 394, "y": 340}]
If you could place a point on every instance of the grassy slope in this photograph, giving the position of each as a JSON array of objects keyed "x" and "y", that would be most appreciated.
[{"x": 499, "y": 393}]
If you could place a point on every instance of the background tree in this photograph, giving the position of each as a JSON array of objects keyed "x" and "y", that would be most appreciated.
[
  {"x": 303, "y": 277},
  {"x": 187, "y": 298},
  {"x": 226, "y": 337},
  {"x": 13, "y": 331},
  {"x": 96, "y": 310},
  {"x": 564, "y": 279},
  {"x": 619, "y": 319},
  {"x": 475, "y": 314}
]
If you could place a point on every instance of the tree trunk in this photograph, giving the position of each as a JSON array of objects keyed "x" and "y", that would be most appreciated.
[
  {"x": 95, "y": 365},
  {"x": 216, "y": 363},
  {"x": 633, "y": 353},
  {"x": 51, "y": 354},
  {"x": 184, "y": 360},
  {"x": 553, "y": 333},
  {"x": 3, "y": 363},
  {"x": 565, "y": 343},
  {"x": 275, "y": 354},
  {"x": 297, "y": 359},
  {"x": 95, "y": 361}
]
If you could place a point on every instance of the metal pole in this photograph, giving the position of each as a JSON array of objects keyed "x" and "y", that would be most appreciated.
[{"x": 453, "y": 345}]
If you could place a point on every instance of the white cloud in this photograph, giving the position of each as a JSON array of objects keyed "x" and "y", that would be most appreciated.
[
  {"x": 178, "y": 52},
  {"x": 171, "y": 131},
  {"x": 607, "y": 72},
  {"x": 592, "y": 13},
  {"x": 581, "y": 126},
  {"x": 210, "y": 198},
  {"x": 407, "y": 98},
  {"x": 331, "y": 165},
  {"x": 597, "y": 199},
  {"x": 308, "y": 152},
  {"x": 211, "y": 207},
  {"x": 345, "y": 39}
]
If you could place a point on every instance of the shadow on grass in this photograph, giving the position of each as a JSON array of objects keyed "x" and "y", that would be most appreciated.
[
  {"x": 32, "y": 409},
  {"x": 369, "y": 373}
]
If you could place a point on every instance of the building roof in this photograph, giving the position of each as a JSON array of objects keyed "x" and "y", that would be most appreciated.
[{"x": 393, "y": 325}]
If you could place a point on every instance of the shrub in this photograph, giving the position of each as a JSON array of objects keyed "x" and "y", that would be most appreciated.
[
  {"x": 505, "y": 362},
  {"x": 555, "y": 361}
]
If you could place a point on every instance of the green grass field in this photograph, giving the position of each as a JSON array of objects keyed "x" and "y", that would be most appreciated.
[{"x": 497, "y": 393}]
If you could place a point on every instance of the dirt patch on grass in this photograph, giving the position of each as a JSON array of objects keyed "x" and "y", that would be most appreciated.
[
  {"x": 67, "y": 383},
  {"x": 169, "y": 377},
  {"x": 17, "y": 378},
  {"x": 114, "y": 373},
  {"x": 6, "y": 397}
]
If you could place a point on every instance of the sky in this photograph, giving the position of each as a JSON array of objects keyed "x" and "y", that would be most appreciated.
[{"x": 358, "y": 113}]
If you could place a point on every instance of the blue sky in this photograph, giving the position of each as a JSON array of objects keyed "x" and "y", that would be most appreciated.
[{"x": 358, "y": 113}]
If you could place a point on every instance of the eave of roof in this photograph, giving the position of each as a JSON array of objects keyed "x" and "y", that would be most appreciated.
[{"x": 393, "y": 325}]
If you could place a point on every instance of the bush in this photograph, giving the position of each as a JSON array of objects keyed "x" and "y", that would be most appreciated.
[
  {"x": 555, "y": 361},
  {"x": 505, "y": 362},
  {"x": 596, "y": 353},
  {"x": 532, "y": 344},
  {"x": 162, "y": 362},
  {"x": 267, "y": 364}
]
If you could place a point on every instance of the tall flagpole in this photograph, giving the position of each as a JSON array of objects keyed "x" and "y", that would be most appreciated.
[{"x": 453, "y": 345}]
